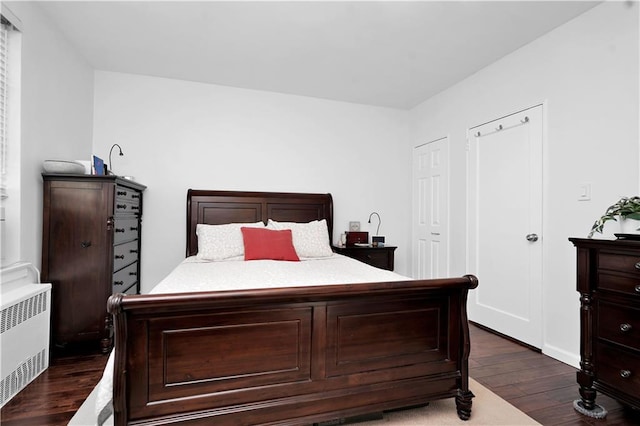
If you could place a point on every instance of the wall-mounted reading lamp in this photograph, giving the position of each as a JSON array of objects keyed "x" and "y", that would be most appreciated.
[{"x": 110, "y": 151}]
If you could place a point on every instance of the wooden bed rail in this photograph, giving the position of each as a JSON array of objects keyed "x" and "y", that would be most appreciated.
[{"x": 181, "y": 301}]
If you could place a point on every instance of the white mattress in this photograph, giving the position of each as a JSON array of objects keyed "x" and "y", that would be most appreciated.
[{"x": 196, "y": 275}]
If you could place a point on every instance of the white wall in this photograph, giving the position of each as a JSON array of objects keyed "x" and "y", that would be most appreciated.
[
  {"x": 56, "y": 114},
  {"x": 178, "y": 135},
  {"x": 586, "y": 73}
]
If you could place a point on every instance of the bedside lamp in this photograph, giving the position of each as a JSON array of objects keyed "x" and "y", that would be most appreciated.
[
  {"x": 376, "y": 240},
  {"x": 110, "y": 151}
]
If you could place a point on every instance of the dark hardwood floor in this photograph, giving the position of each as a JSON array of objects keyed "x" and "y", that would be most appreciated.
[
  {"x": 540, "y": 386},
  {"x": 536, "y": 384},
  {"x": 54, "y": 396}
]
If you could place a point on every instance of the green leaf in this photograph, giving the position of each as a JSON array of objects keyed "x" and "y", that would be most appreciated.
[{"x": 625, "y": 207}]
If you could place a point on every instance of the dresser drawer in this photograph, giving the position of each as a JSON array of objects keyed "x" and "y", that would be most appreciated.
[
  {"x": 125, "y": 254},
  {"x": 123, "y": 208},
  {"x": 125, "y": 278},
  {"x": 619, "y": 283},
  {"x": 618, "y": 369},
  {"x": 380, "y": 257},
  {"x": 126, "y": 194},
  {"x": 371, "y": 257},
  {"x": 619, "y": 324},
  {"x": 131, "y": 290},
  {"x": 125, "y": 230},
  {"x": 627, "y": 263}
]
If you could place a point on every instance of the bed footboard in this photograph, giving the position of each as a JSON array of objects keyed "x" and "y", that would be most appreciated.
[{"x": 290, "y": 355}]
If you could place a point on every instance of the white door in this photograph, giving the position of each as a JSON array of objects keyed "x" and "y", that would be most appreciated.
[
  {"x": 431, "y": 209},
  {"x": 505, "y": 224}
]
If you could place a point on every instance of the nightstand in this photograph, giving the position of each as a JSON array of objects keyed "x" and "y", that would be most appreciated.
[{"x": 380, "y": 257}]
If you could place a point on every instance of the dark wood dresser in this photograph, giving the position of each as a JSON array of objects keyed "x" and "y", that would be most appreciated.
[
  {"x": 90, "y": 249},
  {"x": 609, "y": 286},
  {"x": 380, "y": 257}
]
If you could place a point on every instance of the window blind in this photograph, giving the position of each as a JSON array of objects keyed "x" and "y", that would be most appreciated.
[{"x": 3, "y": 97}]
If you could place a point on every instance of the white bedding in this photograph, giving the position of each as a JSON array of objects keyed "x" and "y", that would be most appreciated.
[
  {"x": 197, "y": 275},
  {"x": 194, "y": 274}
]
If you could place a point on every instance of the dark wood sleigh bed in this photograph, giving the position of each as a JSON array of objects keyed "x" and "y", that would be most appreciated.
[{"x": 287, "y": 355}]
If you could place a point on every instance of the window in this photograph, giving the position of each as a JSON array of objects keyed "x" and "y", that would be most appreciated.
[
  {"x": 4, "y": 42},
  {"x": 10, "y": 52}
]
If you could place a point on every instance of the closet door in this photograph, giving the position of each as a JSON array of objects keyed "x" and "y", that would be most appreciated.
[
  {"x": 79, "y": 244},
  {"x": 505, "y": 224},
  {"x": 430, "y": 245}
]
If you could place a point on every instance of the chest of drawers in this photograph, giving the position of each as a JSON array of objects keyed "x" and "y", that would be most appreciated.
[
  {"x": 608, "y": 280},
  {"x": 90, "y": 249}
]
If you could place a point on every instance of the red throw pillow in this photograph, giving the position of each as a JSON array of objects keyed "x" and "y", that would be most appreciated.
[{"x": 262, "y": 243}]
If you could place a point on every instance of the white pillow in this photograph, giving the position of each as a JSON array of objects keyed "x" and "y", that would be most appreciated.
[
  {"x": 221, "y": 242},
  {"x": 309, "y": 239}
]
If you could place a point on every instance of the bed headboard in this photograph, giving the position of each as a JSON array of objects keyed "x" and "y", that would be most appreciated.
[{"x": 220, "y": 207}]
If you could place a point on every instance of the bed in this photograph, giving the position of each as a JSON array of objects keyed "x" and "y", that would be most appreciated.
[{"x": 287, "y": 354}]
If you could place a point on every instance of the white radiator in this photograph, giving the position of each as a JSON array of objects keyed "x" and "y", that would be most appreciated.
[{"x": 24, "y": 328}]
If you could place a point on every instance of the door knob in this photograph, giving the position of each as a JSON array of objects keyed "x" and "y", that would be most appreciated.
[{"x": 532, "y": 237}]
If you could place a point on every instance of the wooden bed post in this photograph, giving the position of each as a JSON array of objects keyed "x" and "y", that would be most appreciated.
[
  {"x": 119, "y": 401},
  {"x": 465, "y": 396}
]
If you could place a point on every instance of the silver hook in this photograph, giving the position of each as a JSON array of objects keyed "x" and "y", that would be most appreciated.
[{"x": 525, "y": 120}]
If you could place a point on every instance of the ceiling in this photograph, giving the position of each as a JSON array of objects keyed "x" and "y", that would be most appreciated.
[{"x": 385, "y": 53}]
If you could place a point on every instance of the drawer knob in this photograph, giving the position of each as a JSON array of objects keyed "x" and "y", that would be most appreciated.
[
  {"x": 532, "y": 238},
  {"x": 121, "y": 256},
  {"x": 625, "y": 327},
  {"x": 625, "y": 374},
  {"x": 119, "y": 229},
  {"x": 118, "y": 282},
  {"x": 133, "y": 251},
  {"x": 637, "y": 289},
  {"x": 638, "y": 265},
  {"x": 133, "y": 274},
  {"x": 121, "y": 206},
  {"x": 122, "y": 192}
]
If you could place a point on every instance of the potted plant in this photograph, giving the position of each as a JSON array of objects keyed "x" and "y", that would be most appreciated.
[{"x": 625, "y": 208}]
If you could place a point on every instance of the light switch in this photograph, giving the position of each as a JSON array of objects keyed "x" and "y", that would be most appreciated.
[{"x": 584, "y": 192}]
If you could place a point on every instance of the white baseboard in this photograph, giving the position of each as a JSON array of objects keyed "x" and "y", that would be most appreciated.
[{"x": 562, "y": 355}]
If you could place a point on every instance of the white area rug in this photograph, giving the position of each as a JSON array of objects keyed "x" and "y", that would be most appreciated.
[{"x": 488, "y": 409}]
